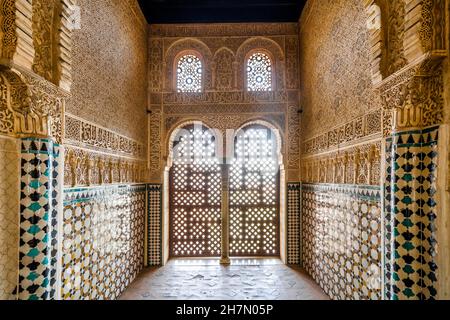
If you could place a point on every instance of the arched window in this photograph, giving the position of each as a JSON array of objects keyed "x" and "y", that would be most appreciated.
[
  {"x": 189, "y": 73},
  {"x": 259, "y": 72}
]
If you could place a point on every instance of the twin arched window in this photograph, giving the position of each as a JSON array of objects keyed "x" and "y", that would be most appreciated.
[{"x": 190, "y": 72}]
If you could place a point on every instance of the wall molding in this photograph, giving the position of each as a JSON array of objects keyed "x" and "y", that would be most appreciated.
[{"x": 85, "y": 134}]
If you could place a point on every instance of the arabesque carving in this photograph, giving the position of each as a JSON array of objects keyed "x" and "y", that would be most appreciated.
[
  {"x": 36, "y": 36},
  {"x": 395, "y": 51},
  {"x": 45, "y": 38},
  {"x": 155, "y": 145},
  {"x": 8, "y": 37},
  {"x": 224, "y": 70},
  {"x": 414, "y": 98},
  {"x": 30, "y": 106},
  {"x": 360, "y": 128},
  {"x": 88, "y": 168},
  {"x": 358, "y": 165},
  {"x": 223, "y": 30},
  {"x": 224, "y": 122},
  {"x": 224, "y": 102},
  {"x": 225, "y": 97},
  {"x": 82, "y": 133},
  {"x": 406, "y": 31}
]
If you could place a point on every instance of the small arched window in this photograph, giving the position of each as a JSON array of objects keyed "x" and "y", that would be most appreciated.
[
  {"x": 259, "y": 72},
  {"x": 189, "y": 73}
]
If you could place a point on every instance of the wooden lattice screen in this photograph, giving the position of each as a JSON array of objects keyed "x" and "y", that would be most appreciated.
[
  {"x": 195, "y": 195},
  {"x": 254, "y": 194}
]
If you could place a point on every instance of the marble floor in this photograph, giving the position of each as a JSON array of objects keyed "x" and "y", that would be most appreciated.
[{"x": 206, "y": 279}]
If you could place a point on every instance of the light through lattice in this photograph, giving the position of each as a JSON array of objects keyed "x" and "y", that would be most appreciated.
[
  {"x": 189, "y": 74},
  {"x": 259, "y": 72},
  {"x": 254, "y": 194},
  {"x": 195, "y": 195}
]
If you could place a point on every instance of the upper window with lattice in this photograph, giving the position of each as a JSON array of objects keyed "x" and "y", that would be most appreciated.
[
  {"x": 259, "y": 72},
  {"x": 189, "y": 73}
]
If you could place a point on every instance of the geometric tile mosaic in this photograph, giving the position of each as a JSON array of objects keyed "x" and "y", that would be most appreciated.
[
  {"x": 410, "y": 215},
  {"x": 293, "y": 223},
  {"x": 38, "y": 219},
  {"x": 341, "y": 239},
  {"x": 154, "y": 232},
  {"x": 103, "y": 241},
  {"x": 9, "y": 217}
]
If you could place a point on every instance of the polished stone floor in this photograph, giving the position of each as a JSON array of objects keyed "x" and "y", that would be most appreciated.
[{"x": 205, "y": 279}]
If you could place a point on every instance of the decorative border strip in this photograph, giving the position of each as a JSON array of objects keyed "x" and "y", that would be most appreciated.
[
  {"x": 154, "y": 225},
  {"x": 86, "y": 168},
  {"x": 228, "y": 108},
  {"x": 76, "y": 195},
  {"x": 354, "y": 165},
  {"x": 223, "y": 29},
  {"x": 9, "y": 208},
  {"x": 294, "y": 223},
  {"x": 416, "y": 138},
  {"x": 365, "y": 192},
  {"x": 220, "y": 97},
  {"x": 361, "y": 127},
  {"x": 82, "y": 133}
]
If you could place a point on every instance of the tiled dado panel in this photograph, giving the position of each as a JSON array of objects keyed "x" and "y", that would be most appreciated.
[
  {"x": 410, "y": 215},
  {"x": 293, "y": 221},
  {"x": 154, "y": 225},
  {"x": 39, "y": 200},
  {"x": 103, "y": 241},
  {"x": 9, "y": 216},
  {"x": 341, "y": 239}
]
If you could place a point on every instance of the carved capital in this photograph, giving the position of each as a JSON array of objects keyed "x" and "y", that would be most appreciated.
[
  {"x": 413, "y": 98},
  {"x": 30, "y": 106},
  {"x": 403, "y": 31}
]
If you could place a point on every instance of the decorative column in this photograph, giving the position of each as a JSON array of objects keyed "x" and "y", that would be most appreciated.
[
  {"x": 409, "y": 45},
  {"x": 225, "y": 209},
  {"x": 414, "y": 100},
  {"x": 36, "y": 113},
  {"x": 39, "y": 202},
  {"x": 35, "y": 79},
  {"x": 416, "y": 104}
]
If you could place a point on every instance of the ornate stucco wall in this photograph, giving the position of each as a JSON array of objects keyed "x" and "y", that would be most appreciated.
[
  {"x": 341, "y": 227},
  {"x": 224, "y": 102},
  {"x": 372, "y": 76},
  {"x": 103, "y": 226},
  {"x": 109, "y": 80},
  {"x": 35, "y": 57},
  {"x": 335, "y": 64},
  {"x": 106, "y": 117}
]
